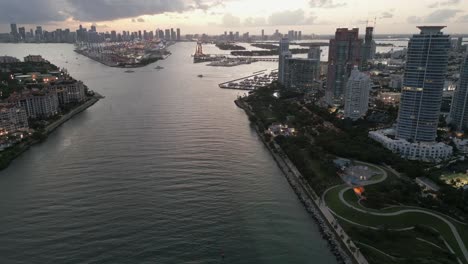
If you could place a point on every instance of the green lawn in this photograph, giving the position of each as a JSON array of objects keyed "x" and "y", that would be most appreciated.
[{"x": 394, "y": 222}]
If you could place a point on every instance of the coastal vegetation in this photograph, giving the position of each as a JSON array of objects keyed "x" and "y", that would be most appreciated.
[
  {"x": 391, "y": 206},
  {"x": 228, "y": 46},
  {"x": 271, "y": 52}
]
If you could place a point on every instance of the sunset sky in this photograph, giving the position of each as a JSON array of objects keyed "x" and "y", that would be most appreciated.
[{"x": 216, "y": 16}]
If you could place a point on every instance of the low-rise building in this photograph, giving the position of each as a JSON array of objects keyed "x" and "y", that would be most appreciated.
[
  {"x": 461, "y": 145},
  {"x": 424, "y": 151},
  {"x": 389, "y": 98},
  {"x": 12, "y": 119},
  {"x": 8, "y": 59},
  {"x": 427, "y": 185},
  {"x": 396, "y": 81},
  {"x": 277, "y": 129},
  {"x": 33, "y": 58}
]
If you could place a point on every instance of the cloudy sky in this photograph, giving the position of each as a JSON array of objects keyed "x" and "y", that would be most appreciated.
[{"x": 216, "y": 16}]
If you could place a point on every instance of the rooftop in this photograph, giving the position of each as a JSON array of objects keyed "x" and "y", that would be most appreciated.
[{"x": 429, "y": 30}]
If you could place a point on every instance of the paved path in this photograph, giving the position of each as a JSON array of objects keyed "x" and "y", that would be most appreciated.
[{"x": 454, "y": 230}]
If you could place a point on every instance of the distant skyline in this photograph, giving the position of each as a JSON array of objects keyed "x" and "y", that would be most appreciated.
[{"x": 217, "y": 16}]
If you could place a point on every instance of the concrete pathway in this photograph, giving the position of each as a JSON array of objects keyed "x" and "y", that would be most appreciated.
[{"x": 454, "y": 230}]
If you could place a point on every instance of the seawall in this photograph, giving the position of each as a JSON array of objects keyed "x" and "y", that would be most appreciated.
[{"x": 335, "y": 236}]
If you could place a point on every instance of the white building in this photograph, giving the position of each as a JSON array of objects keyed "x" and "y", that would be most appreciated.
[
  {"x": 425, "y": 151},
  {"x": 357, "y": 95},
  {"x": 37, "y": 103},
  {"x": 69, "y": 91},
  {"x": 12, "y": 119}
]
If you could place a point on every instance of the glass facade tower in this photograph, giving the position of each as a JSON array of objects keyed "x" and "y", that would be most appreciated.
[
  {"x": 459, "y": 111},
  {"x": 423, "y": 85}
]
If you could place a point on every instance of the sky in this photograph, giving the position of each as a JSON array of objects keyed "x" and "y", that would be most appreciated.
[{"x": 217, "y": 16}]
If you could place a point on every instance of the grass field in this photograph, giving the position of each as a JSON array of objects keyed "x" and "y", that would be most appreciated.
[{"x": 398, "y": 244}]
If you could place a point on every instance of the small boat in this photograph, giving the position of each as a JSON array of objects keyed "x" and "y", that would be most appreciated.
[
  {"x": 159, "y": 67},
  {"x": 129, "y": 71},
  {"x": 200, "y": 75}
]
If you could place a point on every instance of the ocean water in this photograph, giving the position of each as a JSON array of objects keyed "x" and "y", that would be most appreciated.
[{"x": 165, "y": 169}]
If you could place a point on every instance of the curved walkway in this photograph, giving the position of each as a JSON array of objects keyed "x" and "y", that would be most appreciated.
[{"x": 453, "y": 229}]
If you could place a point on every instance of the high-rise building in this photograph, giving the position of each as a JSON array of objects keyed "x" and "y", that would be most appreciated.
[
  {"x": 368, "y": 48},
  {"x": 459, "y": 111},
  {"x": 301, "y": 74},
  {"x": 344, "y": 53},
  {"x": 263, "y": 34},
  {"x": 14, "y": 32},
  {"x": 113, "y": 36},
  {"x": 167, "y": 34},
  {"x": 93, "y": 28},
  {"x": 291, "y": 34},
  {"x": 178, "y": 34},
  {"x": 357, "y": 95},
  {"x": 173, "y": 35},
  {"x": 423, "y": 85},
  {"x": 314, "y": 53},
  {"x": 38, "y": 33},
  {"x": 22, "y": 33},
  {"x": 460, "y": 44},
  {"x": 284, "y": 54}
]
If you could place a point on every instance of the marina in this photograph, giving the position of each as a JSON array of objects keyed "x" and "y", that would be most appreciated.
[{"x": 251, "y": 82}]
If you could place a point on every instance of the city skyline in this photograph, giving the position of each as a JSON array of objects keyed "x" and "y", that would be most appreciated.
[{"x": 214, "y": 17}]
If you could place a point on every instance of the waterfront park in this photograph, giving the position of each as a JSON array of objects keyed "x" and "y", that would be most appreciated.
[{"x": 404, "y": 232}]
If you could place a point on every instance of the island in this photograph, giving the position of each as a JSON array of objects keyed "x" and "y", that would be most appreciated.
[
  {"x": 270, "y": 52},
  {"x": 36, "y": 97},
  {"x": 228, "y": 46},
  {"x": 128, "y": 54}
]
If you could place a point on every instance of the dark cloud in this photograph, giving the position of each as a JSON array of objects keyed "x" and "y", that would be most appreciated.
[
  {"x": 32, "y": 11},
  {"x": 325, "y": 4},
  {"x": 43, "y": 11},
  {"x": 103, "y": 10},
  {"x": 438, "y": 16}
]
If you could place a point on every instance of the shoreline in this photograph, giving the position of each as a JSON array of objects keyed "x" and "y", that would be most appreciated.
[
  {"x": 23, "y": 147},
  {"x": 329, "y": 228}
]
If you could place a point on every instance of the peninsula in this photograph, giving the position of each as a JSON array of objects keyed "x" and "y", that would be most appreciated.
[{"x": 35, "y": 98}]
